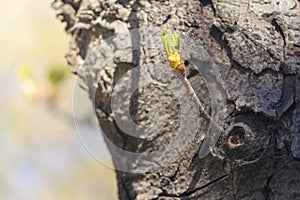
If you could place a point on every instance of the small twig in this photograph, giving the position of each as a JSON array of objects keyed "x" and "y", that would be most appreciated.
[
  {"x": 202, "y": 108},
  {"x": 171, "y": 42}
]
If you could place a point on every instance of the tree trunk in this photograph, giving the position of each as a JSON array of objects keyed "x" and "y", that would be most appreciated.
[{"x": 251, "y": 65}]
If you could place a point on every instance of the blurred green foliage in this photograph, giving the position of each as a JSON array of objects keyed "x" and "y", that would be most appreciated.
[
  {"x": 41, "y": 156},
  {"x": 26, "y": 72},
  {"x": 57, "y": 73}
]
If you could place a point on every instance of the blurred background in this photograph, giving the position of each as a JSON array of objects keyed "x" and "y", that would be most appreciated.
[{"x": 42, "y": 156}]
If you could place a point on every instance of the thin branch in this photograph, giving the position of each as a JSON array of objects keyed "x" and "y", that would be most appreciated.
[{"x": 202, "y": 108}]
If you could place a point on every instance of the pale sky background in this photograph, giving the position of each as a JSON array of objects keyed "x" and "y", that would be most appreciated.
[{"x": 42, "y": 156}]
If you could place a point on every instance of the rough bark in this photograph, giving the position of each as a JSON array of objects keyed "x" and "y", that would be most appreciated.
[{"x": 256, "y": 48}]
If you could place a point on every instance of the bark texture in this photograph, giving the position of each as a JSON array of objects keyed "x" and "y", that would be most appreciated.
[{"x": 256, "y": 48}]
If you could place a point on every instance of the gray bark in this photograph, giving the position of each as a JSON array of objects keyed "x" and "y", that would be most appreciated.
[{"x": 255, "y": 46}]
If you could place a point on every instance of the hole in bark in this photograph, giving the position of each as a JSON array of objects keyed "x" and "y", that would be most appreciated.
[{"x": 236, "y": 137}]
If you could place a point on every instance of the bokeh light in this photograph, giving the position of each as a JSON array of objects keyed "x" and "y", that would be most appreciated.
[{"x": 42, "y": 157}]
